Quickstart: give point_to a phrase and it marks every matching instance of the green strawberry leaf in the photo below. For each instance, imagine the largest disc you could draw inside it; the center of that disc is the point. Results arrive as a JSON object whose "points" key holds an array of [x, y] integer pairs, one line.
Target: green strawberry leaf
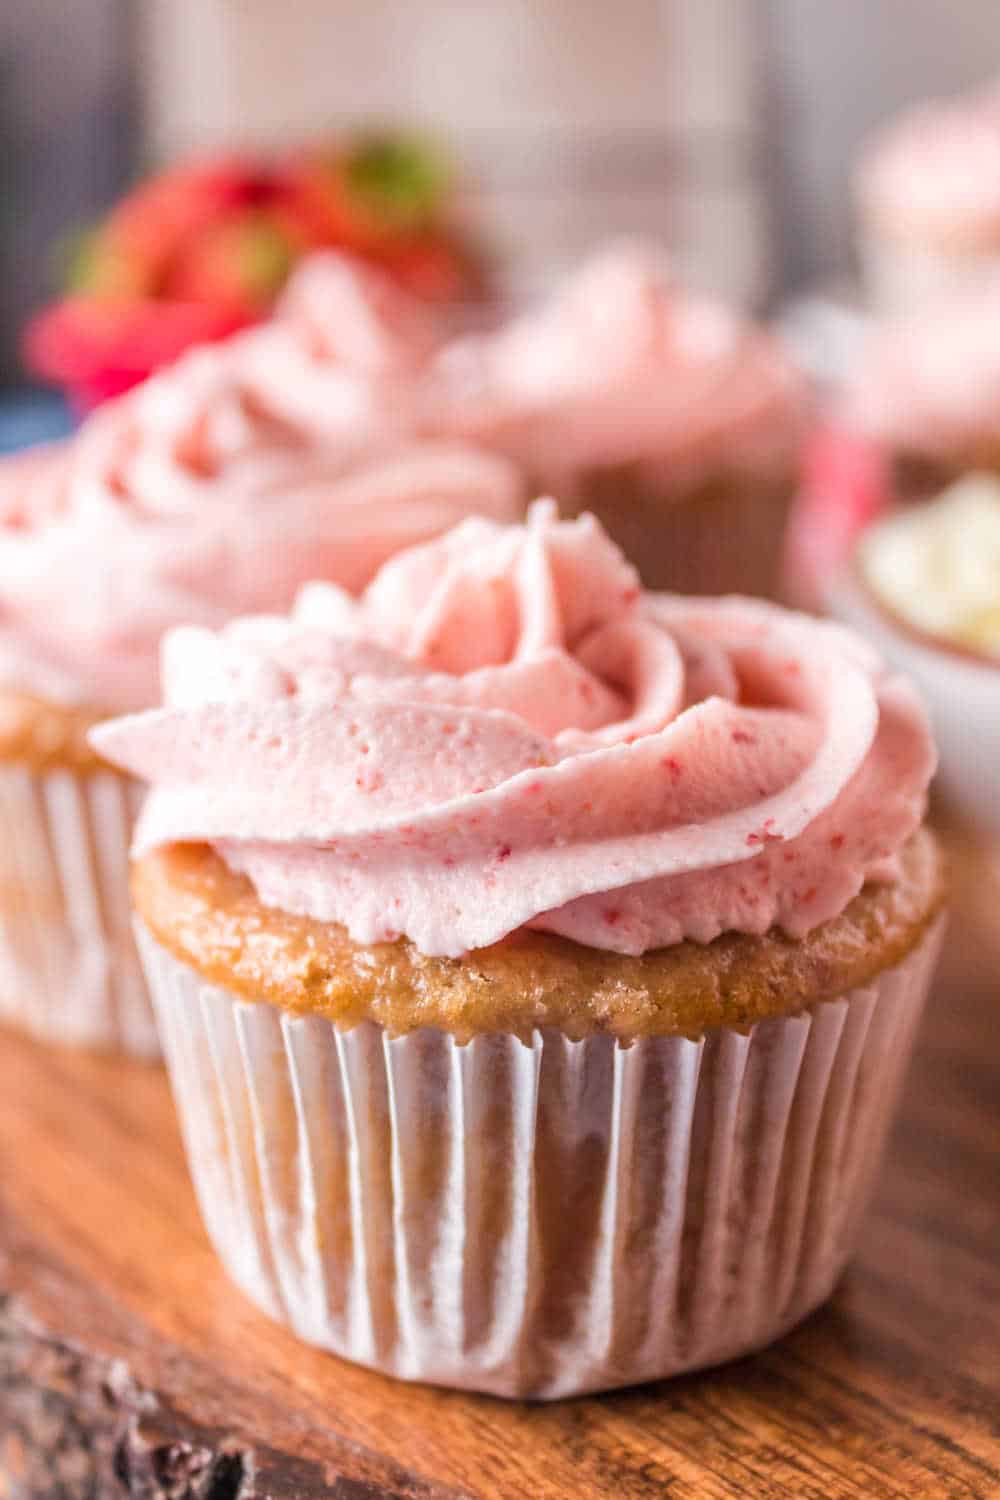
{"points": [[85, 262], [265, 256], [399, 179]]}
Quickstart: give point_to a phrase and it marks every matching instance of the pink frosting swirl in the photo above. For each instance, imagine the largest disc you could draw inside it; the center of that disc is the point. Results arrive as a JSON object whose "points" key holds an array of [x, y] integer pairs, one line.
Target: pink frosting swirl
{"points": [[622, 365], [505, 731], [930, 384], [222, 484]]}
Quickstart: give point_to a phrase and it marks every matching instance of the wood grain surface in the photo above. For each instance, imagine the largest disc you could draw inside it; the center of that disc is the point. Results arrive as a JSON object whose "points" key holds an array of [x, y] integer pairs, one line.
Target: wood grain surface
{"points": [[130, 1366]]}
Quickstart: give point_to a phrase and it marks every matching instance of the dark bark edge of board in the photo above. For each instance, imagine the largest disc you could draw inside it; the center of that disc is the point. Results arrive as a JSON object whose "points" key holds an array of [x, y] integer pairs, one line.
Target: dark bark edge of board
{"points": [[74, 1423]]}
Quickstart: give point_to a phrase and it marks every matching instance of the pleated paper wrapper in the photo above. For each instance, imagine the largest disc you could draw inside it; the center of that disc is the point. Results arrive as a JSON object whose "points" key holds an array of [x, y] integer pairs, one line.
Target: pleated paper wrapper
{"points": [[534, 1220], [69, 969]]}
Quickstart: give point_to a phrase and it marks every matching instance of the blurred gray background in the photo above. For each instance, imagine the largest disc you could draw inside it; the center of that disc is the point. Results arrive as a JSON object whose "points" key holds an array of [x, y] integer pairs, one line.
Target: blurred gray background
{"points": [[727, 127], [68, 136]]}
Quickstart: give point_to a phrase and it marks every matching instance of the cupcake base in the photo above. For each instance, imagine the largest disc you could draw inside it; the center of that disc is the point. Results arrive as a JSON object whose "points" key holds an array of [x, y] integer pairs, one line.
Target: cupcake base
{"points": [[69, 970], [535, 1220], [723, 535]]}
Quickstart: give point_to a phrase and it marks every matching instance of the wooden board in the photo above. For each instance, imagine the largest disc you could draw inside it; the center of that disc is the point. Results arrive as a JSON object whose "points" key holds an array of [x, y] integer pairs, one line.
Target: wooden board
{"points": [[129, 1365]]}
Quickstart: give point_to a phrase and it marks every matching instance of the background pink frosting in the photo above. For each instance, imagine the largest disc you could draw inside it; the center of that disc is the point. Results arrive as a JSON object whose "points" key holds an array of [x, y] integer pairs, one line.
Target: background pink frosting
{"points": [[930, 382], [222, 484], [936, 171], [505, 731], [621, 364]]}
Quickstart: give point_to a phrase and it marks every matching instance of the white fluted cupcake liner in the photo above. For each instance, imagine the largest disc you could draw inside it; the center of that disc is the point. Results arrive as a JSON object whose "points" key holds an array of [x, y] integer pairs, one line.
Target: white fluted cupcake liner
{"points": [[536, 1220], [69, 969]]}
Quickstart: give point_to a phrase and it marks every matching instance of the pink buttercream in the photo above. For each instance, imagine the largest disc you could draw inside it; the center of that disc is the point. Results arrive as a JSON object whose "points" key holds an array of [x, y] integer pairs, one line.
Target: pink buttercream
{"points": [[222, 484], [931, 383], [622, 365], [505, 731], [935, 172]]}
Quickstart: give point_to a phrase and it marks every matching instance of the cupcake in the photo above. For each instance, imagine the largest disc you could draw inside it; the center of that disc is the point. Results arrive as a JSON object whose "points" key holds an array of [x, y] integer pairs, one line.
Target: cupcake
{"points": [[537, 959], [674, 420], [927, 389], [216, 488], [924, 584], [928, 200]]}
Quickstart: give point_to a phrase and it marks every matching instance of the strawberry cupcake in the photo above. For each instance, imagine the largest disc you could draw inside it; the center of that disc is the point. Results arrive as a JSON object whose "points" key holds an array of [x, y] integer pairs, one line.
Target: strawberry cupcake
{"points": [[928, 198], [673, 419], [217, 487], [537, 959]]}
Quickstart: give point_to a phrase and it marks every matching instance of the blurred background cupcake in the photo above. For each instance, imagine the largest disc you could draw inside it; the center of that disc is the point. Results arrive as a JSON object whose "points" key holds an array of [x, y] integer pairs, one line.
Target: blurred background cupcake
{"points": [[667, 414], [222, 483], [926, 388], [928, 201]]}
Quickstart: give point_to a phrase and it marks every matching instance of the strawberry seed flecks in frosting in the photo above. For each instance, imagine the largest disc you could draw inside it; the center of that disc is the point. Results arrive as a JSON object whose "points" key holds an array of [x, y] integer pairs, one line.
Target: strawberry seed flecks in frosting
{"points": [[622, 364], [504, 731], [222, 484]]}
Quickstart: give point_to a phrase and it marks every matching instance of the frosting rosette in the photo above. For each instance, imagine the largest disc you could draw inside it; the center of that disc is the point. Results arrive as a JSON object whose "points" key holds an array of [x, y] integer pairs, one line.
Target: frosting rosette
{"points": [[505, 731], [621, 364], [222, 484]]}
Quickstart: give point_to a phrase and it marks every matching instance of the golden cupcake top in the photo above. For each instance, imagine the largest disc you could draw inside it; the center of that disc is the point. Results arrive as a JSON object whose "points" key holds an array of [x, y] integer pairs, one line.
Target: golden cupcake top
{"points": [[212, 919], [46, 735]]}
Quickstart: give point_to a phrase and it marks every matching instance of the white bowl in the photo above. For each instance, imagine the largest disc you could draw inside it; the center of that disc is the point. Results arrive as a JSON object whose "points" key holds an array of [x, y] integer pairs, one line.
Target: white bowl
{"points": [[961, 689]]}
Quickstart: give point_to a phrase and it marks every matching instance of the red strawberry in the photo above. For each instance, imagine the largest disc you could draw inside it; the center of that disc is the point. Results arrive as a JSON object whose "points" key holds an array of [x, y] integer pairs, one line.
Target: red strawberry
{"points": [[318, 207], [433, 267], [154, 225], [205, 247], [242, 262], [99, 348], [97, 266]]}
